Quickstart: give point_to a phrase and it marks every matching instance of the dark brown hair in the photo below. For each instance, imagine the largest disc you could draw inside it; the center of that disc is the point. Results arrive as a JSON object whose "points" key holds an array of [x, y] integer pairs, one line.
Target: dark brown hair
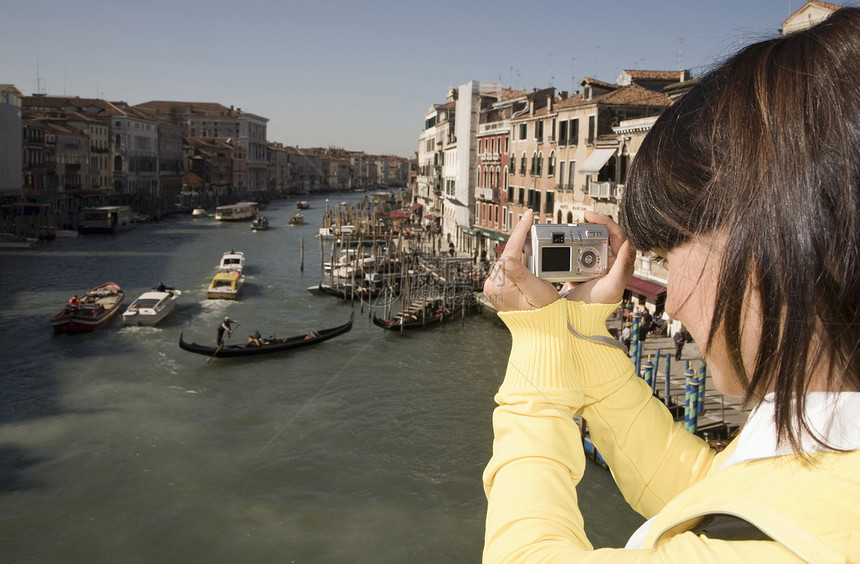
{"points": [[765, 149]]}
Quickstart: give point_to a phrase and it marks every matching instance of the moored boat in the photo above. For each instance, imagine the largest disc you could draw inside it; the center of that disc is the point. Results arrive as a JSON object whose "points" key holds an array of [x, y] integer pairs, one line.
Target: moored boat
{"points": [[151, 307], [260, 223], [303, 205], [420, 315], [232, 261], [91, 311], [297, 219], [199, 212], [267, 345], [226, 285]]}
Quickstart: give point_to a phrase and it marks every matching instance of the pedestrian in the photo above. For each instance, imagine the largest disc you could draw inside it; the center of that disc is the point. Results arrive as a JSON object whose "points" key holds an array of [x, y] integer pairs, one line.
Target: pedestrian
{"points": [[680, 338], [748, 187], [451, 250], [627, 336], [225, 326]]}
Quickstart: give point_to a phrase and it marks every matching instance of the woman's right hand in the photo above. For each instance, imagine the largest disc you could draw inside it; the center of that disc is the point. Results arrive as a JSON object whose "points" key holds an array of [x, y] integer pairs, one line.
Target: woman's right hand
{"points": [[510, 285]]}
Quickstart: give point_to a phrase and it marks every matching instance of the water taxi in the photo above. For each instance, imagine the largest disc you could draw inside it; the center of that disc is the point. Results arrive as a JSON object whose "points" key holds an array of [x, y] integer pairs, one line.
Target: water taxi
{"points": [[232, 261], [226, 285], [91, 311], [297, 219], [151, 307], [236, 212]]}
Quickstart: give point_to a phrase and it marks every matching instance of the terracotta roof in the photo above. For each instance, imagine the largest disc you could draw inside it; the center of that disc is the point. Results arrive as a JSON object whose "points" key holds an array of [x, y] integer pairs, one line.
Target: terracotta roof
{"points": [[193, 108], [656, 75], [631, 95]]}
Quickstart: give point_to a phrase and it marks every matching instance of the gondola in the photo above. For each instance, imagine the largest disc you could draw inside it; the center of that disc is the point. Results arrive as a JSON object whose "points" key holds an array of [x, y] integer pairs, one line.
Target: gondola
{"points": [[267, 346], [405, 321], [346, 291]]}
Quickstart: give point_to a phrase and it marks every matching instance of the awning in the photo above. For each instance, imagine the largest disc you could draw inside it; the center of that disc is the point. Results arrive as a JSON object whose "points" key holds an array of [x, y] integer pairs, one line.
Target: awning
{"points": [[430, 217], [495, 235], [500, 248], [596, 160], [398, 214], [645, 288], [414, 207]]}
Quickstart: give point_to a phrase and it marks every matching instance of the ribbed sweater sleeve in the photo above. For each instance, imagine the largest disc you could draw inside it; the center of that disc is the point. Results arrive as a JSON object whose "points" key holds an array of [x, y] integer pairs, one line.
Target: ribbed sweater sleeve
{"points": [[538, 459]]}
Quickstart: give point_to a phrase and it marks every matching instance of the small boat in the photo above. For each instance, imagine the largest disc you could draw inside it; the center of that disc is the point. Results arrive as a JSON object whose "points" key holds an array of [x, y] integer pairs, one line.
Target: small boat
{"points": [[91, 311], [260, 223], [297, 219], [267, 346], [232, 261], [303, 205], [419, 315], [151, 307], [226, 285], [199, 212], [345, 291]]}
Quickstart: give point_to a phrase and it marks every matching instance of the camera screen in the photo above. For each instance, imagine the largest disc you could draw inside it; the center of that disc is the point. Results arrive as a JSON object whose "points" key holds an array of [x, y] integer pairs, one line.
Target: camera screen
{"points": [[555, 259]]}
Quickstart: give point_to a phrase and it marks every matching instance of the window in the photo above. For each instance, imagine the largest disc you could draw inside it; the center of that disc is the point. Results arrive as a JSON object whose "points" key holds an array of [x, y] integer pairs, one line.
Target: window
{"points": [[591, 128], [549, 203], [573, 132], [562, 132], [561, 176], [534, 164], [571, 174], [513, 164], [522, 196], [550, 169], [523, 165], [505, 218], [539, 130], [539, 164], [524, 131]]}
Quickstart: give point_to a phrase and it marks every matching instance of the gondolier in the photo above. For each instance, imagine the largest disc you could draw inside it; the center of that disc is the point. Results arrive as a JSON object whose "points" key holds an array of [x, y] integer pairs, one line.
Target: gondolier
{"points": [[225, 325]]}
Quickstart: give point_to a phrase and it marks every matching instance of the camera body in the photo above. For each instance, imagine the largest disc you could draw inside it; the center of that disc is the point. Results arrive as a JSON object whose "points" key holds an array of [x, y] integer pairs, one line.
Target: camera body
{"points": [[567, 252]]}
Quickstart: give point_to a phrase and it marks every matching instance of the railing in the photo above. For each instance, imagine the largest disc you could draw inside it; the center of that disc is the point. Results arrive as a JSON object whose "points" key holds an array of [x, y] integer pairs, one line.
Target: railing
{"points": [[601, 190]]}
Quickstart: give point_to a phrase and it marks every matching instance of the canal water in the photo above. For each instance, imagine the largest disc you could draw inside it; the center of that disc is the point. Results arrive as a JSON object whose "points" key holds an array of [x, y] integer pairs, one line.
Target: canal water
{"points": [[118, 446]]}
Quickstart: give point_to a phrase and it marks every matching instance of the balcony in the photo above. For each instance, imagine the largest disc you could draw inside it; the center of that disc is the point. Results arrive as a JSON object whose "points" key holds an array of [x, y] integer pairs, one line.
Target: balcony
{"points": [[602, 190], [487, 194]]}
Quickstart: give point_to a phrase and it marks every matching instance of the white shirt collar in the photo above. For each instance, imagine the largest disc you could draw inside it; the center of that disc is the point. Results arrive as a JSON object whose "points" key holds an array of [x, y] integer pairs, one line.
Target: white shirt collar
{"points": [[831, 416]]}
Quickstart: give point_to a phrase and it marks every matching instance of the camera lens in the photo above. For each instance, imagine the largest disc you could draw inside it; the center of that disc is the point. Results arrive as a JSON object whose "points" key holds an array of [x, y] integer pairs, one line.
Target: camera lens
{"points": [[588, 259]]}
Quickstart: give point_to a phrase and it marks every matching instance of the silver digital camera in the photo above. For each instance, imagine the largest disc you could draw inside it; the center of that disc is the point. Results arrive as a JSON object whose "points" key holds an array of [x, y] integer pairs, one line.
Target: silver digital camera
{"points": [[567, 252]]}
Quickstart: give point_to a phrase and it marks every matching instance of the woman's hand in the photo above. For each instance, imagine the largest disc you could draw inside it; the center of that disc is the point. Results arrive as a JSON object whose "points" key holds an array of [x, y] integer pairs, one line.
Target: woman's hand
{"points": [[511, 286]]}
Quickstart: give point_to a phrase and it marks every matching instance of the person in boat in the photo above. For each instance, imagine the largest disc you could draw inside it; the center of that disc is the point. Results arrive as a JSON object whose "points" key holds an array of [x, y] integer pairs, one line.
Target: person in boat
{"points": [[226, 326], [254, 339], [743, 186], [162, 288], [74, 301]]}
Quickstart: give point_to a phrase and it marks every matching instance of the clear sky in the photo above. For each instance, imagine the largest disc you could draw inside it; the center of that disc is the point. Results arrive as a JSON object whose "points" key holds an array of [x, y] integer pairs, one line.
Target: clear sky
{"points": [[354, 74]]}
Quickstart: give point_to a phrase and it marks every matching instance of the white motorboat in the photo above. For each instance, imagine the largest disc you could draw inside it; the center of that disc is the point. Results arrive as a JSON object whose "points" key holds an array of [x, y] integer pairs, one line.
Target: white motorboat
{"points": [[151, 307], [199, 212], [232, 261]]}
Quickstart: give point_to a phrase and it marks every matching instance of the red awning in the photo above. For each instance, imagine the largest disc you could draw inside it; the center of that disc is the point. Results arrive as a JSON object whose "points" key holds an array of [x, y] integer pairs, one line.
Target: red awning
{"points": [[499, 249], [645, 288], [430, 217], [398, 214], [414, 207]]}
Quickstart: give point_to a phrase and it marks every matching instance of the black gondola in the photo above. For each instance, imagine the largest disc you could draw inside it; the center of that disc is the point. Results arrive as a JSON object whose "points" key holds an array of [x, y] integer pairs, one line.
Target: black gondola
{"points": [[267, 346], [417, 318], [347, 291]]}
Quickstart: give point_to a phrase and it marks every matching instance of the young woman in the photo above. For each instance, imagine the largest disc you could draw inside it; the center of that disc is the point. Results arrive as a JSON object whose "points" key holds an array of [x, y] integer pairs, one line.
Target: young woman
{"points": [[749, 187]]}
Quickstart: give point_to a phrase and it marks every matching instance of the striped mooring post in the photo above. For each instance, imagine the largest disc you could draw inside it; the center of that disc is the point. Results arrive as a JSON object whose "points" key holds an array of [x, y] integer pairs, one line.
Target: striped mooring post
{"points": [[691, 409], [649, 372], [702, 368], [666, 399], [654, 372]]}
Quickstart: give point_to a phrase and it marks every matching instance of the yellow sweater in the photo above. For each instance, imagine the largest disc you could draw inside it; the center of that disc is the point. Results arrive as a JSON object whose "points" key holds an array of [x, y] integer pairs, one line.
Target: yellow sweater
{"points": [[811, 511]]}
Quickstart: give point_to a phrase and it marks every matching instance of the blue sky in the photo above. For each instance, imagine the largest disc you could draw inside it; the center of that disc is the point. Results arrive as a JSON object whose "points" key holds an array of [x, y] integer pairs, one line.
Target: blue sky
{"points": [[352, 74]]}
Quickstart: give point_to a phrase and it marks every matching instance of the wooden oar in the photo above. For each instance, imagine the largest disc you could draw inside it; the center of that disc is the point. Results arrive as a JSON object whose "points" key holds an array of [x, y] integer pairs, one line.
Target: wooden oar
{"points": [[220, 345]]}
